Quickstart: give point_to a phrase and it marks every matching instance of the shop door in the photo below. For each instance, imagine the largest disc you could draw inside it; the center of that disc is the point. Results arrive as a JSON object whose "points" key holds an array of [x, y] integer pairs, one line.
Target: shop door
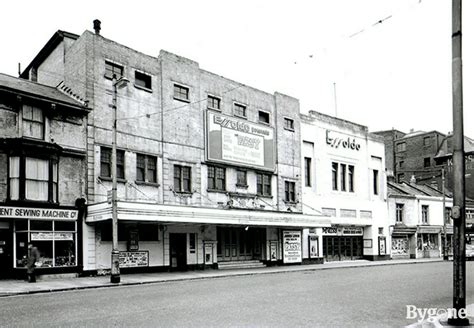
{"points": [[178, 251], [6, 260], [331, 248]]}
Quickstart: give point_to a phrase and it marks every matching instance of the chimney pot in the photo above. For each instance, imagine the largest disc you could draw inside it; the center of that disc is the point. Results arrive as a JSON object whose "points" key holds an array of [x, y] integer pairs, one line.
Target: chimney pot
{"points": [[97, 26]]}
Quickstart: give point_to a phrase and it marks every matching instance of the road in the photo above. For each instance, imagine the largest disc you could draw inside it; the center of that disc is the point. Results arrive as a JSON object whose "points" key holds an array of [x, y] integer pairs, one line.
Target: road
{"points": [[369, 296]]}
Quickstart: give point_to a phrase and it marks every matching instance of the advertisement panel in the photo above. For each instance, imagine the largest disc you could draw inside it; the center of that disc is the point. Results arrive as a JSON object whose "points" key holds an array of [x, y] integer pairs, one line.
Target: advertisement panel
{"points": [[292, 246], [237, 141]]}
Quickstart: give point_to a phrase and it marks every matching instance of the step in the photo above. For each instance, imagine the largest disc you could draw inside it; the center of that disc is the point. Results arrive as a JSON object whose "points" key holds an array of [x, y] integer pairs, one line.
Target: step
{"points": [[240, 265]]}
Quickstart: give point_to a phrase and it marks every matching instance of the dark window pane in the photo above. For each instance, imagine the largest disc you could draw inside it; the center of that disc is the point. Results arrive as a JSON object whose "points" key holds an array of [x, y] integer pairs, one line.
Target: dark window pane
{"points": [[64, 226], [41, 225]]}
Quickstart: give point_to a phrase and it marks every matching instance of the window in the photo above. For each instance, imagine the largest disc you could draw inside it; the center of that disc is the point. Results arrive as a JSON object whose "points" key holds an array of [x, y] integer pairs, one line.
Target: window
{"points": [[33, 122], [180, 92], [182, 178], [215, 178], [55, 241], [112, 69], [240, 110], [241, 178], [213, 102], [264, 187], [33, 179], [263, 117], [106, 163], [380, 230], [146, 168], [447, 215], [351, 178], [142, 80], [307, 171], [402, 146], [400, 177], [426, 162], [376, 181], [426, 141], [399, 213], [424, 214], [289, 124], [290, 191], [343, 177], [334, 175], [401, 164]]}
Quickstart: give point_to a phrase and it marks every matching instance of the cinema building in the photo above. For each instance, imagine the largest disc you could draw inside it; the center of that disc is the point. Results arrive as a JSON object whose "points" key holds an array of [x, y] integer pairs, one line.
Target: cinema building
{"points": [[343, 177], [42, 171], [208, 168]]}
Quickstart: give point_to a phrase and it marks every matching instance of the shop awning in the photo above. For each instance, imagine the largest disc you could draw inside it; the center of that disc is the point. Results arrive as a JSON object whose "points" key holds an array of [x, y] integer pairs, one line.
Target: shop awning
{"points": [[429, 229], [132, 211], [401, 229]]}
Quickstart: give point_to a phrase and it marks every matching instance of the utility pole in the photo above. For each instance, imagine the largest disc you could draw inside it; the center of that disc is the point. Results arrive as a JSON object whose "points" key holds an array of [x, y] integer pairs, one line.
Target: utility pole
{"points": [[459, 210], [445, 217]]}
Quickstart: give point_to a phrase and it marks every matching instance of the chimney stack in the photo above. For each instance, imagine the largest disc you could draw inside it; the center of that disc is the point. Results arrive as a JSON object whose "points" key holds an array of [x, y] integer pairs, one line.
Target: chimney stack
{"points": [[97, 26]]}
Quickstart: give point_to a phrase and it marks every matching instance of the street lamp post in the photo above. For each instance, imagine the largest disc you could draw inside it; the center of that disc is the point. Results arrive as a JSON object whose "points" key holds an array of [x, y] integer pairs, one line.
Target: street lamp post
{"points": [[115, 268]]}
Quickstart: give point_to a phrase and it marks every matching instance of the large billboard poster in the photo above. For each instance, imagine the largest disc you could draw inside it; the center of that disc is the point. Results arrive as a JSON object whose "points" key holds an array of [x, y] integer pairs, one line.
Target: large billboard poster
{"points": [[234, 140], [292, 246]]}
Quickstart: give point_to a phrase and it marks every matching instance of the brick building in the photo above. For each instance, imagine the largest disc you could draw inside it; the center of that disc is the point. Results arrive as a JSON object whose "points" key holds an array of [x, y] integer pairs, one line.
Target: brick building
{"points": [[208, 167], [42, 176], [344, 179]]}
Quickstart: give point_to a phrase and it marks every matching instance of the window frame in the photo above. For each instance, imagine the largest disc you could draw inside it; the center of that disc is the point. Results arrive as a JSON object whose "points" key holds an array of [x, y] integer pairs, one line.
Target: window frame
{"points": [[291, 126], [425, 214], [308, 170], [146, 76], [109, 73], [31, 122], [335, 176], [120, 163], [426, 160], [181, 178], [427, 141], [399, 209], [290, 191], [216, 178], [239, 106], [243, 184], [178, 92], [264, 187], [147, 168], [213, 99], [401, 147], [265, 113], [375, 179]]}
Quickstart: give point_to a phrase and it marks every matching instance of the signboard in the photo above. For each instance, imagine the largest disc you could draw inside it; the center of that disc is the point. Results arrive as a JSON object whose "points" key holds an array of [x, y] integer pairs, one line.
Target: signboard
{"points": [[208, 253], [343, 231], [292, 246], [234, 140], [273, 251], [37, 213], [52, 236], [336, 140], [313, 246], [382, 246], [133, 259]]}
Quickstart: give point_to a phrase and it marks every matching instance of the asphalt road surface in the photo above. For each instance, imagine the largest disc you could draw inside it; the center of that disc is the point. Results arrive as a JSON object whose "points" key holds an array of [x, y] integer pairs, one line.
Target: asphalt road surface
{"points": [[346, 297]]}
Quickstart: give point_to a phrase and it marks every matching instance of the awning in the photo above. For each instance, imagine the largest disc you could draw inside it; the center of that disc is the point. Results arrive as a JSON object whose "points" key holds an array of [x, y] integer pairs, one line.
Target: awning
{"points": [[403, 230], [430, 229], [133, 211]]}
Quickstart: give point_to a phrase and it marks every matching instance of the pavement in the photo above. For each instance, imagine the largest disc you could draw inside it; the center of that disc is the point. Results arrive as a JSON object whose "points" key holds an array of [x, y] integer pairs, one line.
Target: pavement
{"points": [[47, 285]]}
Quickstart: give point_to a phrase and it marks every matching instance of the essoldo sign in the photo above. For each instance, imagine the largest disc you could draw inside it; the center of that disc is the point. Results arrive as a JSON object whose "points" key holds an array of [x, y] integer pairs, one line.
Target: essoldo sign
{"points": [[237, 141]]}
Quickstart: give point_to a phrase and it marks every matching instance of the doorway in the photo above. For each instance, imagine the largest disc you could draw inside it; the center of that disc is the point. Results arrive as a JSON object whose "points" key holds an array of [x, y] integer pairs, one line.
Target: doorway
{"points": [[6, 260], [178, 251]]}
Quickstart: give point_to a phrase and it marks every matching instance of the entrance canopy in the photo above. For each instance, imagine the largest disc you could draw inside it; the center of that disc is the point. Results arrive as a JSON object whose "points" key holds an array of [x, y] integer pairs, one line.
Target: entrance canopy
{"points": [[133, 211]]}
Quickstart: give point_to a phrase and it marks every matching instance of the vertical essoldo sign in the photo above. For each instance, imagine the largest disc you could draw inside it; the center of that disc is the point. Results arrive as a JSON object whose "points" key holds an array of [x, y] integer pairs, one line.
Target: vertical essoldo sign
{"points": [[236, 141], [291, 246]]}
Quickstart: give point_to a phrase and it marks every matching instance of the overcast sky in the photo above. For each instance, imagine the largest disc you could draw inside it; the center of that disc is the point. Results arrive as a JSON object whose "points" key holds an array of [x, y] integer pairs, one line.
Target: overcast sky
{"points": [[386, 62]]}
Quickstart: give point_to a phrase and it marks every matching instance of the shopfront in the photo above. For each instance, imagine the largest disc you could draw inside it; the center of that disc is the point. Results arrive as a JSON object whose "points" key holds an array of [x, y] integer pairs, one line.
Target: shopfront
{"points": [[240, 243], [428, 242], [402, 242], [342, 243], [53, 231]]}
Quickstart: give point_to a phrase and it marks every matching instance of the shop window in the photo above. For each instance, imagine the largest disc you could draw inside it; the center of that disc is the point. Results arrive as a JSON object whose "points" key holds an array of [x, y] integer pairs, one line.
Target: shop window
{"points": [[112, 69], [399, 213], [106, 163], [264, 187], [263, 117], [427, 241], [215, 178], [213, 103], [180, 92], [146, 168], [33, 179], [33, 122], [182, 178], [240, 110], [290, 192], [55, 240], [142, 80], [289, 124], [241, 178], [424, 214]]}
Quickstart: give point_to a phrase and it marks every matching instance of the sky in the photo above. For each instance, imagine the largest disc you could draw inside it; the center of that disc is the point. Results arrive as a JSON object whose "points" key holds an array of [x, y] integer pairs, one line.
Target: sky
{"points": [[380, 63]]}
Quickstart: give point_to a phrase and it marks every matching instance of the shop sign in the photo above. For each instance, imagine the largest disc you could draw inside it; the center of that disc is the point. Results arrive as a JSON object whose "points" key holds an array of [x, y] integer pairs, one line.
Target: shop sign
{"points": [[292, 247], [313, 246], [340, 141], [37, 213], [232, 140], [341, 231], [52, 236], [133, 259]]}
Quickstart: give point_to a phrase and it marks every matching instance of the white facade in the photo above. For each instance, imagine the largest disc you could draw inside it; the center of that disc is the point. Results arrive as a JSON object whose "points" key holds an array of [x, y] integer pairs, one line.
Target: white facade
{"points": [[344, 159]]}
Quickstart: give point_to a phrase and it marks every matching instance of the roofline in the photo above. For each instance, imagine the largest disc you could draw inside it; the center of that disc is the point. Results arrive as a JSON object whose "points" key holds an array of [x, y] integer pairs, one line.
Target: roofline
{"points": [[52, 43], [407, 135]]}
